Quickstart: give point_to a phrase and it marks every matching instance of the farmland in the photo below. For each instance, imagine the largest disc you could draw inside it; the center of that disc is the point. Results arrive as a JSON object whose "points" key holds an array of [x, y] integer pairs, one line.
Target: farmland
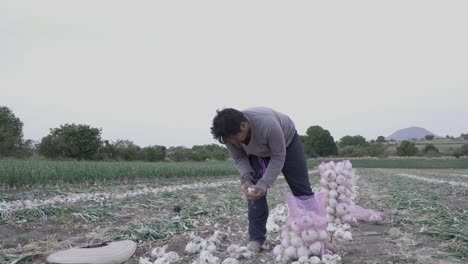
{"points": [[426, 219]]}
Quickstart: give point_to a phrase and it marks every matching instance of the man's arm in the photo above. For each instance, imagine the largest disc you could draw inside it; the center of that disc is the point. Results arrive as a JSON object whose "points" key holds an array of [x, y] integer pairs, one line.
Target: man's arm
{"points": [[275, 140], [242, 162]]}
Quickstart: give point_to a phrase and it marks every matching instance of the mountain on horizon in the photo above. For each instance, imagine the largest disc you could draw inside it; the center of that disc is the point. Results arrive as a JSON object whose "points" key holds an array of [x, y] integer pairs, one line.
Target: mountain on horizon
{"points": [[410, 133]]}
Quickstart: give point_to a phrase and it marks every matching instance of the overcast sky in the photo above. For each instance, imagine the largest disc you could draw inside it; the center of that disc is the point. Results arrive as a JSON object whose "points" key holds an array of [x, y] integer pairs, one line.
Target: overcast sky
{"points": [[155, 72]]}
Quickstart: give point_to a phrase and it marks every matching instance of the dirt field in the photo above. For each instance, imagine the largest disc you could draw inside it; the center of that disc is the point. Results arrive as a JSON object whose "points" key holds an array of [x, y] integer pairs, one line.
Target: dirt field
{"points": [[426, 219]]}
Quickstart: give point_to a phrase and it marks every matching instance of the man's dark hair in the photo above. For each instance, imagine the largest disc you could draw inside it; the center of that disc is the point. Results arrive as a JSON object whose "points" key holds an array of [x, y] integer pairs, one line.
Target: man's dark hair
{"points": [[227, 123]]}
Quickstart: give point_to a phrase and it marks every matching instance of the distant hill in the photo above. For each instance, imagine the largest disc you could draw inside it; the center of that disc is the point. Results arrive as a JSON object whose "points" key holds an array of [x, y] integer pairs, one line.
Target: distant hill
{"points": [[411, 133]]}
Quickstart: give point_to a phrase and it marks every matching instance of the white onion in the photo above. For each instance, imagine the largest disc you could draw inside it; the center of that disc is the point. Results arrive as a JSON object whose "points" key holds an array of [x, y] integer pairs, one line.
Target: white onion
{"points": [[347, 236], [348, 193], [294, 226], [309, 235], [348, 165], [338, 170], [340, 180], [342, 198], [302, 251], [322, 234], [333, 185], [320, 221], [285, 243], [332, 202], [306, 221], [315, 248], [278, 250], [338, 221], [315, 260], [291, 252], [330, 218], [323, 182], [348, 219], [341, 190], [296, 241], [341, 209], [330, 175], [330, 210], [339, 234], [332, 194]]}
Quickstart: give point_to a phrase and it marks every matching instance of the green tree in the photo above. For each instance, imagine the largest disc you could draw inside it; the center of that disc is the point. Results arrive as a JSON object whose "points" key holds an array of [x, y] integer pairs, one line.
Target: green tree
{"points": [[179, 153], [407, 148], [154, 153], [352, 151], [353, 141], [11, 132], [375, 150], [380, 139], [319, 142], [464, 149], [72, 141], [211, 151], [429, 147], [429, 137], [52, 147], [127, 150]]}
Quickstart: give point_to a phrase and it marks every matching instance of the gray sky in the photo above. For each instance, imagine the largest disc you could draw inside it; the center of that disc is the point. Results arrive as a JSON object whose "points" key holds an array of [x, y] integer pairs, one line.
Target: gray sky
{"points": [[156, 72]]}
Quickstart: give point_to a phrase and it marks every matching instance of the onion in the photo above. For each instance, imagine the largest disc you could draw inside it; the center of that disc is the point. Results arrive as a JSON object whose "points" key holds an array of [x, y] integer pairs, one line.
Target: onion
{"points": [[322, 234], [306, 221], [330, 175], [309, 235], [278, 250], [330, 218], [285, 243], [320, 221], [340, 179], [330, 210], [347, 236], [333, 194], [332, 202], [341, 190], [296, 241], [291, 252], [348, 165], [348, 193], [294, 227], [338, 221], [333, 185], [323, 182], [302, 251], [342, 199], [339, 234], [348, 219], [342, 209], [315, 248], [338, 170], [315, 260]]}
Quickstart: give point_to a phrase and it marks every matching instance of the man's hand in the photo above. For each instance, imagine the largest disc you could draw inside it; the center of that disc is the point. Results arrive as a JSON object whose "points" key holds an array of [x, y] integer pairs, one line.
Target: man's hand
{"points": [[246, 186], [256, 194]]}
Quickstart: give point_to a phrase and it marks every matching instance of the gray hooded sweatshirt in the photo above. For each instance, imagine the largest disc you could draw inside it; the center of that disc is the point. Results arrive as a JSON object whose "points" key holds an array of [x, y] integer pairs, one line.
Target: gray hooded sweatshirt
{"points": [[271, 133]]}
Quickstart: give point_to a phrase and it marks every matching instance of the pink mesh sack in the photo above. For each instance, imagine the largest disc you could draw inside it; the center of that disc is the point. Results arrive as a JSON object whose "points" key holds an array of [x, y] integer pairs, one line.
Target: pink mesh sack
{"points": [[367, 215], [307, 212]]}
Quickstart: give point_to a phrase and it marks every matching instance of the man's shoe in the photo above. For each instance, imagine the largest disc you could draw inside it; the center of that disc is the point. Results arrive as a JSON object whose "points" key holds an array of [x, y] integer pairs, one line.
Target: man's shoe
{"points": [[254, 246]]}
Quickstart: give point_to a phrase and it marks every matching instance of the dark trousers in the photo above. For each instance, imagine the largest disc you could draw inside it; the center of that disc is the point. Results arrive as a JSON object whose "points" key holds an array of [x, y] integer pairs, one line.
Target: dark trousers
{"points": [[296, 174]]}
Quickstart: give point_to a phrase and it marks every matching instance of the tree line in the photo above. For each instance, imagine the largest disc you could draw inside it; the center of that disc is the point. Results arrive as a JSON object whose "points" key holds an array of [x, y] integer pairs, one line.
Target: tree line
{"points": [[83, 142]]}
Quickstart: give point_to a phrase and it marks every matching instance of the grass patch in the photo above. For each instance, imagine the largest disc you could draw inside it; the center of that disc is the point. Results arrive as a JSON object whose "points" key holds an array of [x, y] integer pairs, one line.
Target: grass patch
{"points": [[30, 173], [428, 215]]}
